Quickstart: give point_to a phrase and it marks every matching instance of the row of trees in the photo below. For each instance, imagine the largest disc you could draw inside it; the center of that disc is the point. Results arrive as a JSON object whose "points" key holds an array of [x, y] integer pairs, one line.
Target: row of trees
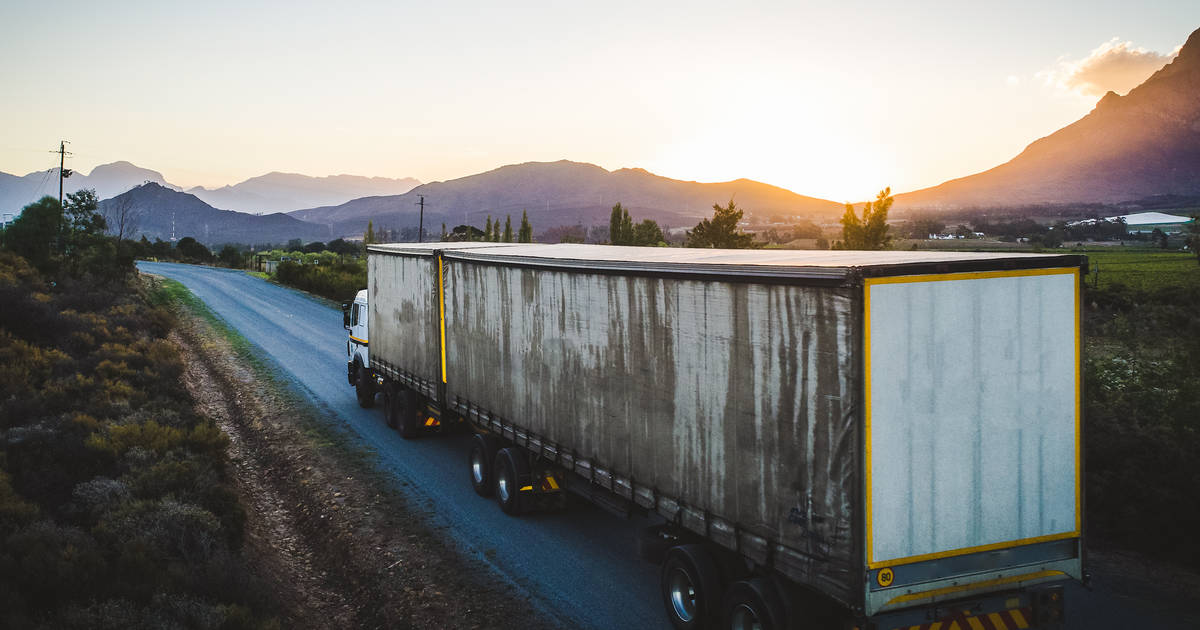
{"points": [[622, 230]]}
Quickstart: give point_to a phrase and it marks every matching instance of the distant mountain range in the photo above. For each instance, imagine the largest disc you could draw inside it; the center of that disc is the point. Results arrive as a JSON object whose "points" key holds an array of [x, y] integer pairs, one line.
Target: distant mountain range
{"points": [[1144, 144], [108, 180], [273, 192], [155, 211], [564, 193], [281, 192]]}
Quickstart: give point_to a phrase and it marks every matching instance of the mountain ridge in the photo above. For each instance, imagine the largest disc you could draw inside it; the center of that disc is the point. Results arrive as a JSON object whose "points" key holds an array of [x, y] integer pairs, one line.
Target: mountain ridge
{"points": [[1143, 144], [565, 193], [156, 211]]}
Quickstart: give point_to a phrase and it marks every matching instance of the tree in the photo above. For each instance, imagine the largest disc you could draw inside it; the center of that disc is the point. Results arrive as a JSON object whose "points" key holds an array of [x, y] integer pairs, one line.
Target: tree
{"points": [[508, 233], [314, 247], [648, 234], [495, 235], [620, 226], [923, 228], [525, 234], [34, 234], [721, 231], [122, 216], [342, 247], [1193, 238], [444, 234], [191, 249], [1159, 238], [871, 232], [82, 221], [230, 257], [487, 228], [369, 235]]}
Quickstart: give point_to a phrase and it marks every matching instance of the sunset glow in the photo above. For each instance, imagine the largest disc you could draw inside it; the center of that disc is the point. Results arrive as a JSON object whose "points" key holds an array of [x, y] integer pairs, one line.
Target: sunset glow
{"points": [[832, 103]]}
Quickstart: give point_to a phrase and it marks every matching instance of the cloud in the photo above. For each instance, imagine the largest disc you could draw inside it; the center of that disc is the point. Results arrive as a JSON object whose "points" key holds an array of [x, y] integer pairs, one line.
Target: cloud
{"points": [[1114, 65]]}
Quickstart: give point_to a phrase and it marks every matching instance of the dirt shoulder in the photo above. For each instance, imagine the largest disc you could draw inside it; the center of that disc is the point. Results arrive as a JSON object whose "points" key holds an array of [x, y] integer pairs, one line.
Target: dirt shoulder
{"points": [[324, 529]]}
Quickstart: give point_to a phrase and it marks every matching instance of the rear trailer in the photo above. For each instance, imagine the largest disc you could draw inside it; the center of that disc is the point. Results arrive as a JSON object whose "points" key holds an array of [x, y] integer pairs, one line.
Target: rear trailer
{"points": [[881, 439]]}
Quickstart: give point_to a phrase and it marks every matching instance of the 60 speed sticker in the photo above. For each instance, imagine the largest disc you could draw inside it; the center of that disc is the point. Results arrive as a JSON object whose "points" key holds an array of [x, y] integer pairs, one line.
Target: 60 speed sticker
{"points": [[885, 577]]}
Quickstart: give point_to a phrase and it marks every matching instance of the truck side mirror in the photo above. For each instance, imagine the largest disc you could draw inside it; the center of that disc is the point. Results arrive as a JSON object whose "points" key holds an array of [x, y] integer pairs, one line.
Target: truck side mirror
{"points": [[346, 314]]}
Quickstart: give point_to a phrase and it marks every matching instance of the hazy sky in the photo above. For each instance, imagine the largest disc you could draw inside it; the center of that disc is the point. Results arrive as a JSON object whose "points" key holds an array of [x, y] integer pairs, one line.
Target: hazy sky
{"points": [[831, 102]]}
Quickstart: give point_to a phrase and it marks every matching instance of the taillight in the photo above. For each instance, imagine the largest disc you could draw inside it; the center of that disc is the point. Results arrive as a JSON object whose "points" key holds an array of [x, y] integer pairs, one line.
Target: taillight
{"points": [[1048, 607]]}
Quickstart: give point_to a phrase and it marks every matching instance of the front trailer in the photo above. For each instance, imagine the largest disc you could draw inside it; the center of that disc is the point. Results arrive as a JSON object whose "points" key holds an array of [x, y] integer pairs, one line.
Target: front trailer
{"points": [[830, 439]]}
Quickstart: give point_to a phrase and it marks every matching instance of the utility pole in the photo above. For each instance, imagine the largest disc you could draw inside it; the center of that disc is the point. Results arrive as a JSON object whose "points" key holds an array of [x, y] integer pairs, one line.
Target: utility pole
{"points": [[62, 172], [421, 225]]}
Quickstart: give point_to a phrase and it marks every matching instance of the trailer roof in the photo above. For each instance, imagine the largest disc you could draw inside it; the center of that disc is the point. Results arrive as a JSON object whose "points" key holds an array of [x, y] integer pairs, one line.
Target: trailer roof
{"points": [[427, 249], [836, 266]]}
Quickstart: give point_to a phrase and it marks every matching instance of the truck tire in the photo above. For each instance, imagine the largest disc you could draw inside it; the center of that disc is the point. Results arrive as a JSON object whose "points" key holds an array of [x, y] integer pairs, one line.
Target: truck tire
{"points": [[408, 404], [480, 462], [691, 587], [364, 389], [391, 404], [752, 603], [512, 474]]}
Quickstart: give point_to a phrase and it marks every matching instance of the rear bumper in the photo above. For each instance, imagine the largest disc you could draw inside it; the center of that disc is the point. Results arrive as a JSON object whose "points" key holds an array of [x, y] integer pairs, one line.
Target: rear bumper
{"points": [[1009, 610]]}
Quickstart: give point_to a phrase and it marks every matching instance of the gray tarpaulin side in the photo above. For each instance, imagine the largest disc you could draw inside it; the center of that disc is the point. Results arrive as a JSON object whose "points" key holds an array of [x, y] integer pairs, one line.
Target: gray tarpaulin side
{"points": [[735, 397], [403, 325]]}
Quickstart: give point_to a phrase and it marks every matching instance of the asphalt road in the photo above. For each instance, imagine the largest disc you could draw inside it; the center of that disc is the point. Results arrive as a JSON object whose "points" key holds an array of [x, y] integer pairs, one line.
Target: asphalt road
{"points": [[578, 565]]}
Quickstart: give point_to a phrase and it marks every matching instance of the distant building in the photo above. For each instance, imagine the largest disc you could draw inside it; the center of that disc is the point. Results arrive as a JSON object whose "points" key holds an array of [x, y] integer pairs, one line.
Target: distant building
{"points": [[1147, 222]]}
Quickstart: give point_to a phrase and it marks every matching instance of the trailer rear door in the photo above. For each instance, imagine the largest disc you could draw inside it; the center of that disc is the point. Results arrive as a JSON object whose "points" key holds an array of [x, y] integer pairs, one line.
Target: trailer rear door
{"points": [[972, 413]]}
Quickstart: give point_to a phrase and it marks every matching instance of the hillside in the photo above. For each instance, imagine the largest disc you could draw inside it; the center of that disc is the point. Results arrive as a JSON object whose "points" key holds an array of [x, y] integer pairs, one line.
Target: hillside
{"points": [[154, 208], [282, 192], [564, 193], [1139, 145]]}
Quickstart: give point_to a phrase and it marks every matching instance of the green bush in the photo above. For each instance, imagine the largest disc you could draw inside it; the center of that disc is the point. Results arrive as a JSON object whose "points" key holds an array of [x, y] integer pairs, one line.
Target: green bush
{"points": [[337, 282], [116, 508], [1142, 417]]}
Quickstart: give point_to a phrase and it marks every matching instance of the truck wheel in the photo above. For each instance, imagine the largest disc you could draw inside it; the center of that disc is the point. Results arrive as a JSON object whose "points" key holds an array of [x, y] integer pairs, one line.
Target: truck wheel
{"points": [[481, 460], [691, 587], [391, 404], [512, 473], [408, 403], [752, 604], [364, 388]]}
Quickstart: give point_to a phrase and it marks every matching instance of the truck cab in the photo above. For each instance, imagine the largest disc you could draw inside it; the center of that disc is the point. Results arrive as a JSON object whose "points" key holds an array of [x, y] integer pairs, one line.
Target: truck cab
{"points": [[358, 363]]}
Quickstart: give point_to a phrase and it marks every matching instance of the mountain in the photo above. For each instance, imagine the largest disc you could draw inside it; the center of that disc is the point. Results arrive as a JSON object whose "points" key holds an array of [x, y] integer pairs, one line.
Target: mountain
{"points": [[564, 193], [109, 180], [281, 192], [155, 211], [273, 192], [1143, 144]]}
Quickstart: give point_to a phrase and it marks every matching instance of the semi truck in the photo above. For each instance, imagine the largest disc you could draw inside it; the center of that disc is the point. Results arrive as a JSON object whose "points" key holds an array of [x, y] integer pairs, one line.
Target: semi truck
{"points": [[826, 439]]}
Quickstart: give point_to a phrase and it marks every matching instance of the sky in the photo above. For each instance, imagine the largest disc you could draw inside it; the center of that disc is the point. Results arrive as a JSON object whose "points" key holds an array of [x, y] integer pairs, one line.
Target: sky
{"points": [[832, 102]]}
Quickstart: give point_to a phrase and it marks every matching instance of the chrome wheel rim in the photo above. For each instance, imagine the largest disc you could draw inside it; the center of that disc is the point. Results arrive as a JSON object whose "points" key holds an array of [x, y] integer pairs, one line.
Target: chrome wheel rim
{"points": [[477, 467], [683, 595], [744, 618], [502, 486]]}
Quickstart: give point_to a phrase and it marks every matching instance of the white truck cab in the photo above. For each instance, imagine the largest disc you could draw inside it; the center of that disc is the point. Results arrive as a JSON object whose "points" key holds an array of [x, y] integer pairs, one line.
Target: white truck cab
{"points": [[358, 363]]}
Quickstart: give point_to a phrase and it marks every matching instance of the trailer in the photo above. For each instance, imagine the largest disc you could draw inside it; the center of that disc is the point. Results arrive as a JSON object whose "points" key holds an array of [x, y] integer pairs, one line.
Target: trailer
{"points": [[829, 438]]}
